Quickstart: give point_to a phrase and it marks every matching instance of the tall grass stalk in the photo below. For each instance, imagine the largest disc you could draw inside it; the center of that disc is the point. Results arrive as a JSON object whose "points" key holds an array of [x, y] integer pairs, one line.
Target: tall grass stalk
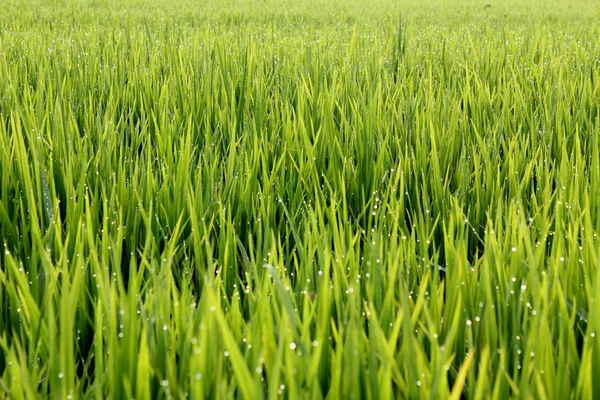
{"points": [[342, 199]]}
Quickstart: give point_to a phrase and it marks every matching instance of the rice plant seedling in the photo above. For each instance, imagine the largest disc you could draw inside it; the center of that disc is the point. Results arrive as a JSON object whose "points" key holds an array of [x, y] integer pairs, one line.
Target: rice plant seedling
{"points": [[299, 199]]}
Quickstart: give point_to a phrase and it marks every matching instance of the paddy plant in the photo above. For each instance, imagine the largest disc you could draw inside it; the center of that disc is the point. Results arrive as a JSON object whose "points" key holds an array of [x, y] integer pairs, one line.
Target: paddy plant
{"points": [[272, 199]]}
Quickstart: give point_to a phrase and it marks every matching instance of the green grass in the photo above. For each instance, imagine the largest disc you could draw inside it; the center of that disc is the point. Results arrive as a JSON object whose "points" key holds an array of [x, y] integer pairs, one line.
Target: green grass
{"points": [[337, 199]]}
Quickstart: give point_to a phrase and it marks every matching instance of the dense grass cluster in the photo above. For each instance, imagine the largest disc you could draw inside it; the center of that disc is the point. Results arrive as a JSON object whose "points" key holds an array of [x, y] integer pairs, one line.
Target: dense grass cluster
{"points": [[336, 198]]}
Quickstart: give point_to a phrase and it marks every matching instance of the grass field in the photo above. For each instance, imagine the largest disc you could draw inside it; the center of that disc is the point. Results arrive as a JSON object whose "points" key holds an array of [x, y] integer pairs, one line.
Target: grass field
{"points": [[264, 199]]}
